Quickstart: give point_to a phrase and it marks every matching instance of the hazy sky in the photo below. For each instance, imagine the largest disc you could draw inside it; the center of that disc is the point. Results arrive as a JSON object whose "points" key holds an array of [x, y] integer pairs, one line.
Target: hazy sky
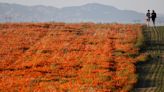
{"points": [[137, 5]]}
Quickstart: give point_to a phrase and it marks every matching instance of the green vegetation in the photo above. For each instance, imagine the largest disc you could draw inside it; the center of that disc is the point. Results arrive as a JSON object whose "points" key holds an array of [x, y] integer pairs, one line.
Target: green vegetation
{"points": [[140, 40], [151, 73]]}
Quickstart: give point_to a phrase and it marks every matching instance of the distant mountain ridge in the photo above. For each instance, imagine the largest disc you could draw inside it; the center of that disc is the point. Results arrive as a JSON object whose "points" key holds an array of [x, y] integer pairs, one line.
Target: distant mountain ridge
{"points": [[92, 12]]}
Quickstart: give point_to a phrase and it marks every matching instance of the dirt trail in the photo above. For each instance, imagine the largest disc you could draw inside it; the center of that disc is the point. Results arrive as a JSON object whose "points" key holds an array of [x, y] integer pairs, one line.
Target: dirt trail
{"points": [[151, 73]]}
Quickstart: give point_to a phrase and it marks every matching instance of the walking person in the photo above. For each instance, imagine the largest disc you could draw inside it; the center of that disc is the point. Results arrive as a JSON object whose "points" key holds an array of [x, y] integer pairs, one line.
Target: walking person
{"points": [[148, 16], [153, 17]]}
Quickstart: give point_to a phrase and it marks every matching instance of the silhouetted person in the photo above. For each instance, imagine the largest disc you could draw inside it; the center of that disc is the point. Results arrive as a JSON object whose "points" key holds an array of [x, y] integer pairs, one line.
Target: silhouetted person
{"points": [[148, 16], [153, 17]]}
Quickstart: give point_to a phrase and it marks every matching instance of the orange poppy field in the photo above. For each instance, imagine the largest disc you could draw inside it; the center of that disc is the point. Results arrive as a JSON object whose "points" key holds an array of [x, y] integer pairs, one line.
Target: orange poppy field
{"points": [[59, 57]]}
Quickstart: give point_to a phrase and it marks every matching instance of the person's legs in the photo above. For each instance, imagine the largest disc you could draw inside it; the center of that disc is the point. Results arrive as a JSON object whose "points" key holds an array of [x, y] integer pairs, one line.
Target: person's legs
{"points": [[153, 19], [148, 22]]}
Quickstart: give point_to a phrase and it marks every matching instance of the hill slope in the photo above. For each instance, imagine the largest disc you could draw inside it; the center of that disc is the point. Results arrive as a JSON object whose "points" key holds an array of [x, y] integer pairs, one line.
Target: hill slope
{"points": [[60, 57], [90, 12], [151, 72]]}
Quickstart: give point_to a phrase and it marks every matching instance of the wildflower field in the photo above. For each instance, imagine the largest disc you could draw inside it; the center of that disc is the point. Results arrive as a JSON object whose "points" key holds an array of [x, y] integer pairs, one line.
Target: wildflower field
{"points": [[59, 57]]}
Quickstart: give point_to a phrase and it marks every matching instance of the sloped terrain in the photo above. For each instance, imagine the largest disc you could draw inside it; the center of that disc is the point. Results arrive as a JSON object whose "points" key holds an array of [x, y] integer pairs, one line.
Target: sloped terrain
{"points": [[58, 57], [151, 73]]}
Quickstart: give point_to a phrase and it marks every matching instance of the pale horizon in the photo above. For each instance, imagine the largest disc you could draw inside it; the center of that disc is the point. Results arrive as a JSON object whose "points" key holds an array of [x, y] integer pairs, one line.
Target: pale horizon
{"points": [[136, 5]]}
